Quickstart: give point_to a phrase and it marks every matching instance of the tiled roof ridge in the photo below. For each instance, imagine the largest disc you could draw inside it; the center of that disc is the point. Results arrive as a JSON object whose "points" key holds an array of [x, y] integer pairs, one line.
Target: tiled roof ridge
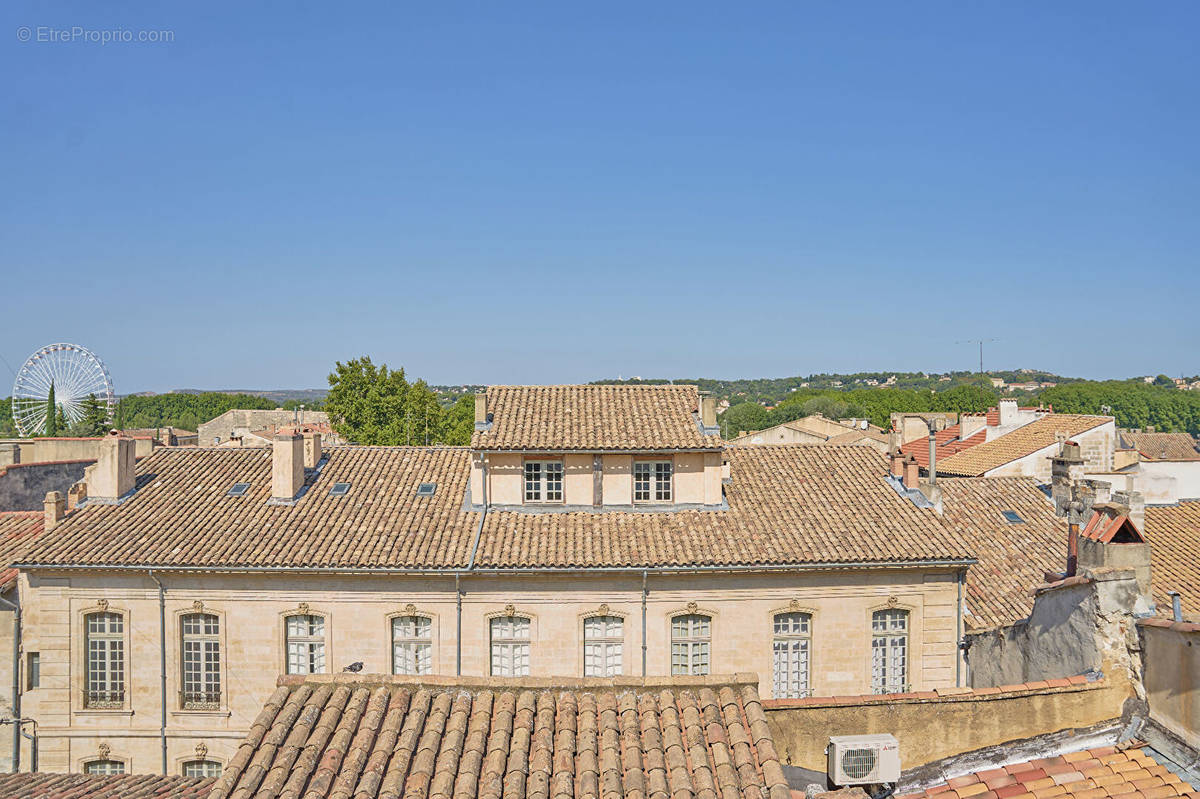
{"points": [[6, 467], [29, 513], [1168, 624], [1063, 685]]}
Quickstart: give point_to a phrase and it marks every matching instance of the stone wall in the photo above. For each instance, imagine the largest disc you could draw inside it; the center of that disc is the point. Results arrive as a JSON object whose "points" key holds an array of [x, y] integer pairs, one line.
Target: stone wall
{"points": [[1077, 625], [220, 429], [23, 486], [966, 720], [1172, 676]]}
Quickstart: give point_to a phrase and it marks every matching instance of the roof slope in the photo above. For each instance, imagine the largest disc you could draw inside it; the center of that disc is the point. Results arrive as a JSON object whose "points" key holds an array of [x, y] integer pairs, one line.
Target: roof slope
{"points": [[374, 735], [1025, 440], [555, 418], [1174, 535], [1012, 557], [787, 504], [17, 530], [93, 786], [181, 513], [1088, 774], [948, 443], [1163, 446]]}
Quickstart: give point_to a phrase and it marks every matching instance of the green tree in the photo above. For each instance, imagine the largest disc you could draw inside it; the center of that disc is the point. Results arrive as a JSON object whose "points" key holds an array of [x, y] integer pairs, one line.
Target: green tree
{"points": [[369, 404], [94, 421], [745, 416], [51, 413], [459, 422], [1163, 380]]}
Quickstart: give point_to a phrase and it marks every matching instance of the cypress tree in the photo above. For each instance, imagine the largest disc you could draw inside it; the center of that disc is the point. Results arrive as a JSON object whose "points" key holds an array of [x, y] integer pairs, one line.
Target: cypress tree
{"points": [[51, 413]]}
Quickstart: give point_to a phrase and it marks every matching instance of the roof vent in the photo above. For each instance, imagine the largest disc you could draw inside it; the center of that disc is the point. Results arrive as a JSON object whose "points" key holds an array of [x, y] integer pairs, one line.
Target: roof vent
{"points": [[238, 490], [426, 489], [339, 490], [1012, 517]]}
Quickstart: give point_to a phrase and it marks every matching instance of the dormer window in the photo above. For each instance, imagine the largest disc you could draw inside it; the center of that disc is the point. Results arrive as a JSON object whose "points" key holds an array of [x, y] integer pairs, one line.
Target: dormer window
{"points": [[652, 481], [543, 481]]}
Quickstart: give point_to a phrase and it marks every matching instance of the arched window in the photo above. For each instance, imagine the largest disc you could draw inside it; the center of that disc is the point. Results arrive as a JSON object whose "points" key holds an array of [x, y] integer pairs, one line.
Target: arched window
{"points": [[305, 644], [791, 647], [412, 645], [201, 661], [104, 766], [105, 633], [201, 768], [510, 646], [889, 651], [603, 641], [691, 636]]}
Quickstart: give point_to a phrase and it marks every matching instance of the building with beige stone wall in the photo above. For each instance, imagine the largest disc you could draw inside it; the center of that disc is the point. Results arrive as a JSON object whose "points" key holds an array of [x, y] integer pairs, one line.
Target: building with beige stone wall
{"points": [[587, 531]]}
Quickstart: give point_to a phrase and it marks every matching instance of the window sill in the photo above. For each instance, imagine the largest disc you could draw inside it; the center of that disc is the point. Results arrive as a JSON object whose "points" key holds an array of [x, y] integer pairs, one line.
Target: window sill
{"points": [[102, 711], [202, 713]]}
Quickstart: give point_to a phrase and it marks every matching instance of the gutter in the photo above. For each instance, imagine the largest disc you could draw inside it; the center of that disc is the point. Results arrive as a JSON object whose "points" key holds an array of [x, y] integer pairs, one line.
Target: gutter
{"points": [[15, 607], [958, 640], [162, 660], [645, 595]]}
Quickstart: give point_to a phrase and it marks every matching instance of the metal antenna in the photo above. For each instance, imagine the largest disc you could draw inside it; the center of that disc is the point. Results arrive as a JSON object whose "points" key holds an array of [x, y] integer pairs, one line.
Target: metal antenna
{"points": [[980, 342]]}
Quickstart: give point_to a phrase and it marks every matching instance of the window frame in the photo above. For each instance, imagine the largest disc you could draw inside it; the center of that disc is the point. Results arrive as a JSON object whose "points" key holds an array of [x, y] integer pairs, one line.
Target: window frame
{"points": [[788, 637], [887, 684], [205, 640], [654, 481], [94, 702], [33, 670], [691, 642], [183, 766], [109, 761], [543, 481], [605, 642], [511, 643], [310, 639], [415, 641]]}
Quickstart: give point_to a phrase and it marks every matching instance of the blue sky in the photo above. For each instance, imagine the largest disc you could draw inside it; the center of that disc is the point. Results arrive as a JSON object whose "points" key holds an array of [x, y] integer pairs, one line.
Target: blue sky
{"points": [[508, 192]]}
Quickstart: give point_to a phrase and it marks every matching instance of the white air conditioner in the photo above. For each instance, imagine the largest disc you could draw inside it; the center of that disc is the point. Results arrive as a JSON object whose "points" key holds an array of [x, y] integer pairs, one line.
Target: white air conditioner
{"points": [[863, 759]]}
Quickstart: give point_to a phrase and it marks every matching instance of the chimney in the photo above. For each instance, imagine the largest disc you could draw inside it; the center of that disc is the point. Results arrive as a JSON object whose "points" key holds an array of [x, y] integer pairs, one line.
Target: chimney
{"points": [[1008, 412], [76, 494], [287, 467], [10, 453], [708, 412], [55, 509], [912, 473], [481, 414], [112, 475], [1066, 470], [312, 450], [1136, 504], [896, 460], [971, 423], [167, 436]]}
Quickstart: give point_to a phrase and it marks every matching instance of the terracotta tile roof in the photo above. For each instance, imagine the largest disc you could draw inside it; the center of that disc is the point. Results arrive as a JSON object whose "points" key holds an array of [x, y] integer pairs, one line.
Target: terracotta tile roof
{"points": [[17, 530], [1174, 535], [91, 786], [1012, 557], [1088, 774], [1025, 440], [853, 436], [948, 443], [376, 735], [641, 418], [1162, 446], [787, 504]]}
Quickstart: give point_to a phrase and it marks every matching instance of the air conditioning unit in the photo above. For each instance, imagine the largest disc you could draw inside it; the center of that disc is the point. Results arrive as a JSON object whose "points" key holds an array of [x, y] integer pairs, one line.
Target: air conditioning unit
{"points": [[863, 759]]}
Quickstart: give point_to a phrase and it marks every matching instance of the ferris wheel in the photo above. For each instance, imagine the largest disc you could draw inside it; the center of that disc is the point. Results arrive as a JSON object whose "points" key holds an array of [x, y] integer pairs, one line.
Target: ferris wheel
{"points": [[74, 372]]}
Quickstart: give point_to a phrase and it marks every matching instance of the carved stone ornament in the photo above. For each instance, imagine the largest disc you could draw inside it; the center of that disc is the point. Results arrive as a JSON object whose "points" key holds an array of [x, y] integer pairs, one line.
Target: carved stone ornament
{"points": [[103, 750], [197, 606], [410, 608], [201, 750], [510, 610], [794, 604], [603, 609], [304, 608], [692, 607], [102, 604], [892, 602]]}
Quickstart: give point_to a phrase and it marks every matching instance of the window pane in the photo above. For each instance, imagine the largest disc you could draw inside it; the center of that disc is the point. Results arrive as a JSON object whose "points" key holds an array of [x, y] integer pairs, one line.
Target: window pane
{"points": [[533, 480], [662, 481], [105, 646], [554, 482], [201, 768], [641, 482], [889, 651], [305, 644], [104, 767]]}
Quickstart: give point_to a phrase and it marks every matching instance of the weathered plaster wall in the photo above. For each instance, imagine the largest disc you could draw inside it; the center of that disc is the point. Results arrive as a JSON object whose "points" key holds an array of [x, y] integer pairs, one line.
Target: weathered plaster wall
{"points": [[1172, 675], [1077, 625], [23, 486]]}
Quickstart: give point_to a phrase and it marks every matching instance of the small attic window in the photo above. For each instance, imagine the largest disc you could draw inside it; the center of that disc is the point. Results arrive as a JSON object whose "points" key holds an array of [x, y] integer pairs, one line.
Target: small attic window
{"points": [[1012, 517], [426, 489], [339, 490], [238, 490]]}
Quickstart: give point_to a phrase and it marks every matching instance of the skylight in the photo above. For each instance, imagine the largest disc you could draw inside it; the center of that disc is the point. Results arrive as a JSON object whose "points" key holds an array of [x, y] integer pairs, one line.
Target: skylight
{"points": [[238, 490], [1012, 517], [339, 490], [426, 489]]}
